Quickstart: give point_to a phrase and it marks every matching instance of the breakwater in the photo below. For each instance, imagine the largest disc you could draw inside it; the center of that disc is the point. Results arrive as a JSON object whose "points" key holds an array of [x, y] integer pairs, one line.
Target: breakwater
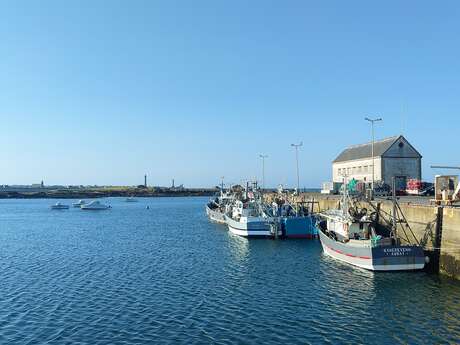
{"points": [[437, 228]]}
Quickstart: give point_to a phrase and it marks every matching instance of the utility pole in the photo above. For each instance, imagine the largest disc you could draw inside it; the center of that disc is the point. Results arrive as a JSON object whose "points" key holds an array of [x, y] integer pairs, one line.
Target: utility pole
{"points": [[263, 170], [296, 146], [372, 121]]}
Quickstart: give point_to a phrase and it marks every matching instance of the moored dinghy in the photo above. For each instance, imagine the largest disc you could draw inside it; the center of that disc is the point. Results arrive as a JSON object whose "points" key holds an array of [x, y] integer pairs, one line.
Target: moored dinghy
{"points": [[59, 206]]}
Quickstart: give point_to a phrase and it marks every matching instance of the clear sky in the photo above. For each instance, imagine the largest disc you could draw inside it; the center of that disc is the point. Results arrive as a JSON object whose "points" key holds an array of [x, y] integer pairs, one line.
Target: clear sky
{"points": [[101, 92]]}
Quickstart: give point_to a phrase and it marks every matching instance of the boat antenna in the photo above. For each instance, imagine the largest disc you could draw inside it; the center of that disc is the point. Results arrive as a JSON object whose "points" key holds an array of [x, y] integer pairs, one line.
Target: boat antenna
{"points": [[222, 185]]}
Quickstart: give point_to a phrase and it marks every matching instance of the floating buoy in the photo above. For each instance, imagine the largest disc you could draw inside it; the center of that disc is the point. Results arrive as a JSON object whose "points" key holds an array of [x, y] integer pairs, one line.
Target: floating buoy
{"points": [[147, 207]]}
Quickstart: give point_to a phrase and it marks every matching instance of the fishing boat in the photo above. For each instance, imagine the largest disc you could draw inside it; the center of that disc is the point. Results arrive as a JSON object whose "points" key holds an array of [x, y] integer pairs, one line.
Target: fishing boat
{"points": [[249, 217], [217, 206], [95, 205], [296, 221], [355, 236], [131, 199], [59, 206], [79, 203], [246, 220]]}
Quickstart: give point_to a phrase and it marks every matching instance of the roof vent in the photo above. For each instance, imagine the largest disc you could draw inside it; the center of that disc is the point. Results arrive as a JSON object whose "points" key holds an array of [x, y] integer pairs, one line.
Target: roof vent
{"points": [[401, 144]]}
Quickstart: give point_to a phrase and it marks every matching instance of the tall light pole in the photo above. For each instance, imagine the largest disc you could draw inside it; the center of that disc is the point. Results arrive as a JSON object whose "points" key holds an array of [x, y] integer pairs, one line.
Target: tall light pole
{"points": [[372, 121], [263, 170], [296, 146]]}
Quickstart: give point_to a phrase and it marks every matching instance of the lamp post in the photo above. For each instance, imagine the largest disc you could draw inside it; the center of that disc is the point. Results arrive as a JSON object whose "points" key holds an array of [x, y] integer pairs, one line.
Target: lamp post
{"points": [[296, 146], [372, 121], [263, 170]]}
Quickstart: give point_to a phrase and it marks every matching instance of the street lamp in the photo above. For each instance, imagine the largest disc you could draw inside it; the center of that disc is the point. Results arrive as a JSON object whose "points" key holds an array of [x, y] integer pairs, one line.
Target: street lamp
{"points": [[263, 170], [373, 164], [296, 146]]}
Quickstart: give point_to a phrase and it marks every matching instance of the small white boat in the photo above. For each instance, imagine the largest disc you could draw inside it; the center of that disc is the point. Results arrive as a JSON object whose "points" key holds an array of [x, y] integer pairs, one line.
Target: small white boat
{"points": [[95, 205], [79, 203], [59, 206], [131, 199]]}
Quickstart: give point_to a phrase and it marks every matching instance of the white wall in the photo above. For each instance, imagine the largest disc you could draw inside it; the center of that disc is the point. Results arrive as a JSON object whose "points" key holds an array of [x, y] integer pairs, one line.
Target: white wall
{"points": [[357, 170]]}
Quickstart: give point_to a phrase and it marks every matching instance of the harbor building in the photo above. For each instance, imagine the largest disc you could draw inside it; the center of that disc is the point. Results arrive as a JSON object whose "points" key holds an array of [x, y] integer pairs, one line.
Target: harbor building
{"points": [[393, 157]]}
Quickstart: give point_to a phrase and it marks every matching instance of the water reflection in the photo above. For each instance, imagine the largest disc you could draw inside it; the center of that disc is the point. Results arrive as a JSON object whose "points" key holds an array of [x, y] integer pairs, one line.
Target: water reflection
{"points": [[238, 247]]}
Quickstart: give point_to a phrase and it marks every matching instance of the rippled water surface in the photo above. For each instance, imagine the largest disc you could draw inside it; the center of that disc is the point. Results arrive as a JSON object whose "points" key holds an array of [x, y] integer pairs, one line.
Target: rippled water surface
{"points": [[133, 275]]}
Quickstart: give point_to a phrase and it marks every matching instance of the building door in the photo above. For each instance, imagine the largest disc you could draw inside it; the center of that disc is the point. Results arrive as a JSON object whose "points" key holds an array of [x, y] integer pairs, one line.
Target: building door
{"points": [[400, 183]]}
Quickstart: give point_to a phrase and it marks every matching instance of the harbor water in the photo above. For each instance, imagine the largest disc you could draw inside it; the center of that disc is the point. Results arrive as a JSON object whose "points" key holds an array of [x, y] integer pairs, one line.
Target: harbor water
{"points": [[166, 275]]}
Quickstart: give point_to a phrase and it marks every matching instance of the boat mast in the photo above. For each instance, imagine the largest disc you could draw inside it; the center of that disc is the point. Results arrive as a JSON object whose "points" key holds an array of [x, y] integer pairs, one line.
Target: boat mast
{"points": [[394, 220], [344, 200]]}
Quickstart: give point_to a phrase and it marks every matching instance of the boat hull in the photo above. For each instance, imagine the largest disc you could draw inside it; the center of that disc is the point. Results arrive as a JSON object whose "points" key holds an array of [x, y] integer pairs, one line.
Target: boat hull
{"points": [[99, 208], [215, 216], [299, 227], [94, 209], [385, 258], [252, 228]]}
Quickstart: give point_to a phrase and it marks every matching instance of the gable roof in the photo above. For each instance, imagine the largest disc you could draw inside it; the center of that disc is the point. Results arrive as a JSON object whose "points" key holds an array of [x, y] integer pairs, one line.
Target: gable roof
{"points": [[365, 150]]}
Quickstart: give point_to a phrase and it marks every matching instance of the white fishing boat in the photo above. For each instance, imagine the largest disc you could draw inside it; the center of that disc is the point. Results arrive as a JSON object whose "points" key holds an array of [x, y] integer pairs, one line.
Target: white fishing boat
{"points": [[79, 203], [217, 206], [354, 236], [249, 218], [95, 205], [131, 199], [245, 220], [59, 206]]}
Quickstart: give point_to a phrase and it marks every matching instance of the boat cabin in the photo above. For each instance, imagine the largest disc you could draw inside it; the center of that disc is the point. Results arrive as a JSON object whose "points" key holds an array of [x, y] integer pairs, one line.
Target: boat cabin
{"points": [[244, 209]]}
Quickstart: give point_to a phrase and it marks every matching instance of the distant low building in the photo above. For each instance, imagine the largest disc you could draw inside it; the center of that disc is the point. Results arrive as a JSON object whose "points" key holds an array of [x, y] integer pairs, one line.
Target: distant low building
{"points": [[393, 157]]}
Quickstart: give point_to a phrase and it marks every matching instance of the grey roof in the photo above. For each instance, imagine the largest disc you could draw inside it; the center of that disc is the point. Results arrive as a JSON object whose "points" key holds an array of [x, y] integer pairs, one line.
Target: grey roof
{"points": [[365, 150]]}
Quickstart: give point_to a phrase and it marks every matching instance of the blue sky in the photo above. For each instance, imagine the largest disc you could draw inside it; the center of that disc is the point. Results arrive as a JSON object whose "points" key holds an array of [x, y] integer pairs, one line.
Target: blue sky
{"points": [[101, 92]]}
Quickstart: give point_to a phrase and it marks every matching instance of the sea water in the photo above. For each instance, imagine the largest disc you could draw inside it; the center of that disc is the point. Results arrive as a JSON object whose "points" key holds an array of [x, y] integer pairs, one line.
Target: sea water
{"points": [[166, 275]]}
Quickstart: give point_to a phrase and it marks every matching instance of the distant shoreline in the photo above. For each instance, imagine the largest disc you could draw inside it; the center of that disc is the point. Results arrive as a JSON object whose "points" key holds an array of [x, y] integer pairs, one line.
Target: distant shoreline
{"points": [[100, 193], [104, 192]]}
